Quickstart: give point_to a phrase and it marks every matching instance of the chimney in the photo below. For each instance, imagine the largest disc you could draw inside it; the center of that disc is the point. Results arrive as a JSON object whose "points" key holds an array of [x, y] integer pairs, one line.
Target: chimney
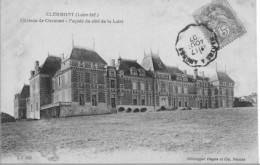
{"points": [[119, 61], [112, 63], [32, 73], [195, 73], [62, 55], [36, 64]]}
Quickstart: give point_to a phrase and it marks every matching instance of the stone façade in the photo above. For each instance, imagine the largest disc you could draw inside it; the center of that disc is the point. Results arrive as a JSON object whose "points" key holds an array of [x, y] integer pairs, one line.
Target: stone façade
{"points": [[84, 84]]}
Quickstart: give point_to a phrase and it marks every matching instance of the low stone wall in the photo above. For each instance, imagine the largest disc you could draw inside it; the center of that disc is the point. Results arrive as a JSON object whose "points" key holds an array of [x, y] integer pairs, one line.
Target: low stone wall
{"points": [[87, 109]]}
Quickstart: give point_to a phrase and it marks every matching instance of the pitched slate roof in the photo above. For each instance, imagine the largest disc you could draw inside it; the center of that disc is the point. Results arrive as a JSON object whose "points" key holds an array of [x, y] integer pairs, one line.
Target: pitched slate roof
{"points": [[25, 91], [126, 64], [221, 76], [82, 54], [51, 65], [174, 70], [154, 63]]}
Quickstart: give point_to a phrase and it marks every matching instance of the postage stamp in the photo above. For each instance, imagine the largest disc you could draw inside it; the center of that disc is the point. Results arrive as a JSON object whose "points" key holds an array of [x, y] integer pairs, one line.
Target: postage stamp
{"points": [[196, 48], [219, 16]]}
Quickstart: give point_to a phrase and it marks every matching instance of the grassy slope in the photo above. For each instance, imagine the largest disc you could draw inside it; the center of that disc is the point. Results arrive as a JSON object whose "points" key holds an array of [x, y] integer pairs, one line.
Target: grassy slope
{"points": [[196, 131]]}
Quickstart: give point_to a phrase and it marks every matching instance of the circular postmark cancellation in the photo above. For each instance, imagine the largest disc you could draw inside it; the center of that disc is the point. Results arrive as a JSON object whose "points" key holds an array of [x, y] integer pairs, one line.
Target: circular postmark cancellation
{"points": [[197, 45]]}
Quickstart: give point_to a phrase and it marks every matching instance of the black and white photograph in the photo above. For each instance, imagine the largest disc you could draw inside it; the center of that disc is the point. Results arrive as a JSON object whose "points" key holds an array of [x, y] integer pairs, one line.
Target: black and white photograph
{"points": [[129, 81]]}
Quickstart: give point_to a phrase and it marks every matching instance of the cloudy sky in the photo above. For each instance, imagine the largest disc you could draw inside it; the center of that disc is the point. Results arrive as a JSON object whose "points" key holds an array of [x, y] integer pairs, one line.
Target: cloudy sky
{"points": [[148, 25]]}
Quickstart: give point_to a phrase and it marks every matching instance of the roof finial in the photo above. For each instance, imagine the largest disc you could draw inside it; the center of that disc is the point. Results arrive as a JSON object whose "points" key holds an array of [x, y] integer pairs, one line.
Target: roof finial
{"points": [[151, 51], [72, 41], [93, 43], [216, 66], [225, 69]]}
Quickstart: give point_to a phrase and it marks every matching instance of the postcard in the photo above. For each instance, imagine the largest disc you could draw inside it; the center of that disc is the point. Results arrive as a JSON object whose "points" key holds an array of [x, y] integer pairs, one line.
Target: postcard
{"points": [[129, 81]]}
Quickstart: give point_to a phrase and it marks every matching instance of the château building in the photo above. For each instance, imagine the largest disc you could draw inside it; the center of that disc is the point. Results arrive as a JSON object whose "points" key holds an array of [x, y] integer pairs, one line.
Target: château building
{"points": [[84, 84]]}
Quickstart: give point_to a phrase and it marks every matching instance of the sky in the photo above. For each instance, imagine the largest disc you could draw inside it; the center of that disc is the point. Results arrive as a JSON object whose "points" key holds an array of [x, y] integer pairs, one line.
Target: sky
{"points": [[148, 25]]}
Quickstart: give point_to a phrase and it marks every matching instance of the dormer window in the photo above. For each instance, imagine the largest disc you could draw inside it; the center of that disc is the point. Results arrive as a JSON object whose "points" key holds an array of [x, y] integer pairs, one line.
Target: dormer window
{"points": [[112, 73], [133, 71], [121, 73], [141, 72], [94, 65]]}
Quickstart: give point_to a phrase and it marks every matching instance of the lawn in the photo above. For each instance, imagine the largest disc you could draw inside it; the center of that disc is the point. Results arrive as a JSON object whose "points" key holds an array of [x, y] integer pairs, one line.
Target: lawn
{"points": [[88, 138]]}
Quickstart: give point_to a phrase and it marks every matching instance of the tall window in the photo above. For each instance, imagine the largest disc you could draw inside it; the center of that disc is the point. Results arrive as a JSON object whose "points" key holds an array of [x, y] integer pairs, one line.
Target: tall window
{"points": [[112, 83], [94, 78], [150, 100], [162, 86], [81, 99], [174, 102], [149, 87], [185, 90], [94, 100], [59, 81], [143, 100], [179, 102], [31, 108], [134, 85], [179, 90], [186, 103], [81, 77], [113, 101], [135, 100], [142, 86], [121, 73]]}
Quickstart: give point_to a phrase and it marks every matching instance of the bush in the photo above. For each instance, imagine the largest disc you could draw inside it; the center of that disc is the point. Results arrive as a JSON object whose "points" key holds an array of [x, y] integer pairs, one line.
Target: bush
{"points": [[136, 110], [121, 109], [188, 108], [163, 108], [143, 109], [174, 108], [128, 110]]}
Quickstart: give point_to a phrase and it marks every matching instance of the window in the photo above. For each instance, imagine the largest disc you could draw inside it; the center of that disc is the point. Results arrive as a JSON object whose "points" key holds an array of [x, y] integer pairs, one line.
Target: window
{"points": [[186, 103], [185, 90], [162, 86], [112, 73], [94, 65], [206, 92], [150, 100], [143, 100], [135, 100], [81, 99], [134, 84], [141, 72], [121, 85], [174, 104], [94, 78], [112, 83], [113, 101], [179, 89], [179, 102], [31, 108], [94, 100], [149, 87], [133, 71], [81, 77], [121, 73], [59, 81], [142, 86]]}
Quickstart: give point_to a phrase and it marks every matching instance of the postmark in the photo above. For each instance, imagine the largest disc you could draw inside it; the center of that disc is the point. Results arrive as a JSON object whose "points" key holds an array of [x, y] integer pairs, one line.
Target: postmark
{"points": [[219, 16], [196, 48]]}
